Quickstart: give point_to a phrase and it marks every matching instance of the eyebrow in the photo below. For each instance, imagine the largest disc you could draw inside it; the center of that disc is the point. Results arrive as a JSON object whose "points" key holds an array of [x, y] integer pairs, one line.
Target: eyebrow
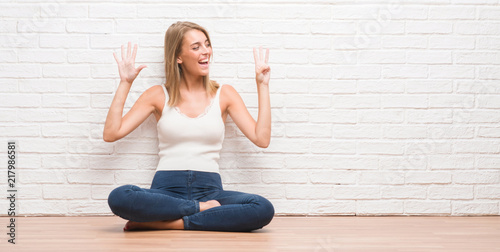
{"points": [[197, 42]]}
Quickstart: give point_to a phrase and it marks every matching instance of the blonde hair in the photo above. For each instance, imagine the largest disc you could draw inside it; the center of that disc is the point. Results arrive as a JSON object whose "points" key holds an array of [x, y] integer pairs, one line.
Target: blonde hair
{"points": [[173, 72]]}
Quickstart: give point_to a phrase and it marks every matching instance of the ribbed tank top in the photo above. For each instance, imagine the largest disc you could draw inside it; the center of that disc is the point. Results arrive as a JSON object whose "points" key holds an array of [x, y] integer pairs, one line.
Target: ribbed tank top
{"points": [[187, 143]]}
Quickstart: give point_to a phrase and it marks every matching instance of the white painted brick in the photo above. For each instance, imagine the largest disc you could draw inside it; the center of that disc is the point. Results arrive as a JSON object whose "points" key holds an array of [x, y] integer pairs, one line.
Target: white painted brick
{"points": [[34, 176], [333, 27], [355, 12], [65, 161], [307, 101], [268, 191], [488, 132], [133, 177], [407, 162], [266, 40], [70, 192], [381, 178], [357, 72], [77, 208], [112, 11], [287, 27], [488, 192], [90, 177], [381, 116], [452, 12], [331, 57], [20, 71], [380, 86], [451, 42], [451, 101], [406, 101], [475, 208], [333, 147], [331, 162], [333, 116], [7, 56], [447, 192], [42, 115], [85, 146], [136, 147], [8, 26], [356, 101], [488, 73], [65, 130], [20, 100], [310, 192], [115, 162], [46, 26], [63, 41], [42, 56], [357, 131], [44, 207], [66, 71], [7, 115], [65, 101], [112, 41], [305, 72], [478, 28], [405, 132], [405, 71], [9, 86], [477, 58], [488, 162], [31, 161], [476, 177], [381, 57], [42, 85], [71, 10], [283, 176], [336, 207], [439, 162], [291, 206], [356, 192], [333, 86], [428, 57], [101, 192], [478, 146], [385, 207], [475, 116], [18, 11], [286, 145], [292, 41], [29, 192], [409, 42], [433, 86], [428, 178], [426, 27], [308, 130], [89, 26], [380, 147], [408, 12], [490, 43], [333, 177], [403, 192], [477, 86], [13, 130], [424, 207]]}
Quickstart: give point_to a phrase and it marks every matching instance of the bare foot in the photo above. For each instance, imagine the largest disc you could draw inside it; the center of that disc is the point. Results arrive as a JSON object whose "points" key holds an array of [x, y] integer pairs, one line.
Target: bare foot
{"points": [[154, 225], [208, 204]]}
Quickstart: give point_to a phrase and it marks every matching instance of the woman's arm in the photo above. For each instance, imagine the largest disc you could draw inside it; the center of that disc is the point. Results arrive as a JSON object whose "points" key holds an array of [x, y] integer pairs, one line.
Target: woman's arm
{"points": [[258, 132], [115, 126]]}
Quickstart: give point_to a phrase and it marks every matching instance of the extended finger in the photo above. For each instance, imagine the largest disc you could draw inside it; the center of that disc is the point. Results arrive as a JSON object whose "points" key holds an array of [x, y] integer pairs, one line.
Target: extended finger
{"points": [[129, 48], [123, 52], [134, 52], [267, 55], [255, 55], [260, 53], [116, 57]]}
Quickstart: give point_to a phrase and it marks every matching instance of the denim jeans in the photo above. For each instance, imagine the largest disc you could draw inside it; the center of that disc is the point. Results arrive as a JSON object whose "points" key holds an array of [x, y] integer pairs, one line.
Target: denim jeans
{"points": [[176, 194]]}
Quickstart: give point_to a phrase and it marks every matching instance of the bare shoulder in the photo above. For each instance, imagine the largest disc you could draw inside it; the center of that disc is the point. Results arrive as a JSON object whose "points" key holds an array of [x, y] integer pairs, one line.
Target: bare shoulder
{"points": [[228, 92], [155, 96]]}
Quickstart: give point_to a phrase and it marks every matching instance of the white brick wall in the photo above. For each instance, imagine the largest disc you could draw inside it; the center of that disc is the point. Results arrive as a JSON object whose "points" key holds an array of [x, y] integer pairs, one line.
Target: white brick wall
{"points": [[379, 107]]}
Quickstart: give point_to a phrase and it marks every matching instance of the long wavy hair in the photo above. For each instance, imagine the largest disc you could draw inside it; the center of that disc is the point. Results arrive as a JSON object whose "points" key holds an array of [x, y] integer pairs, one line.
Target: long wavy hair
{"points": [[173, 71]]}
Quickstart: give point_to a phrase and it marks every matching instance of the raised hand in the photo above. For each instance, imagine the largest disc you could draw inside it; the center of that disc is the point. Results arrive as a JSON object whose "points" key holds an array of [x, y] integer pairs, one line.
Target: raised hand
{"points": [[126, 66], [262, 69]]}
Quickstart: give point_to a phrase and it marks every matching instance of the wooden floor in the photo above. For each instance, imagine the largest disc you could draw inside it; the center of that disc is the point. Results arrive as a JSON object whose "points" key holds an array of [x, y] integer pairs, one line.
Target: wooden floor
{"points": [[328, 234]]}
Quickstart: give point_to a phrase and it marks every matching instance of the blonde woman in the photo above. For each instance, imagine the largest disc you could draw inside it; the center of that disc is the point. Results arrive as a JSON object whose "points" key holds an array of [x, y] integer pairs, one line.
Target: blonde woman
{"points": [[190, 110]]}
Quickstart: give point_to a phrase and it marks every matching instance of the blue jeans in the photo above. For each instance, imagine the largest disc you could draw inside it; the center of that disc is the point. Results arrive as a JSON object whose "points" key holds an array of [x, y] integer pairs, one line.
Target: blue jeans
{"points": [[176, 194]]}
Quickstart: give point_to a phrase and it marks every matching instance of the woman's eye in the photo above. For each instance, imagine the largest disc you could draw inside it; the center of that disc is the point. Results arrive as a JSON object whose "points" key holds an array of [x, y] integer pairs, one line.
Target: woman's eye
{"points": [[196, 48]]}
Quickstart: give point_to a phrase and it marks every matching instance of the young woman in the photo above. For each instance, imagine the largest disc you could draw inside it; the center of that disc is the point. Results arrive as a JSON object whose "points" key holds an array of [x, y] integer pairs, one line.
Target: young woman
{"points": [[190, 110]]}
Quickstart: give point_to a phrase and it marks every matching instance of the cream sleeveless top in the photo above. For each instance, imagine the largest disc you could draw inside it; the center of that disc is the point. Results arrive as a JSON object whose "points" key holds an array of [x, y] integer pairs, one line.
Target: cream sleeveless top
{"points": [[187, 143]]}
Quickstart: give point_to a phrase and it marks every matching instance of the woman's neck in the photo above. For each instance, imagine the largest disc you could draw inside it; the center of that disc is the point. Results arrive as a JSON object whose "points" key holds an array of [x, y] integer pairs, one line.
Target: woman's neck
{"points": [[191, 82]]}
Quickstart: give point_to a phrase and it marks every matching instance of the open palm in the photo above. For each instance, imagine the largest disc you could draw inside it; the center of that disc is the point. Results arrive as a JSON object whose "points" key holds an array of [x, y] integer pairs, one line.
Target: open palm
{"points": [[262, 69], [126, 66]]}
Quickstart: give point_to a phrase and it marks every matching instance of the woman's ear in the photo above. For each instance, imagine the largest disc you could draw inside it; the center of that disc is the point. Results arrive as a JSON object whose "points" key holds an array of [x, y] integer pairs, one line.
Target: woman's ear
{"points": [[179, 60]]}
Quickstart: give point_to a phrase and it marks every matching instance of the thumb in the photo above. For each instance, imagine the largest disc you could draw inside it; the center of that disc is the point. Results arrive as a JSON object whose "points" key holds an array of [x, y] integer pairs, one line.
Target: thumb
{"points": [[139, 68]]}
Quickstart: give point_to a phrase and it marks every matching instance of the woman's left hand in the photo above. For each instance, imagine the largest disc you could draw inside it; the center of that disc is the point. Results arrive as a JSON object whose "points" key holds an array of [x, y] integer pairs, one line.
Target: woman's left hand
{"points": [[262, 69]]}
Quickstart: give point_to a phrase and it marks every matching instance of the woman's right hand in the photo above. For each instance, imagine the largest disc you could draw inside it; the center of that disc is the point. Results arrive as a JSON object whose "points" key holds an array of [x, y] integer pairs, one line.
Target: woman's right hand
{"points": [[126, 66]]}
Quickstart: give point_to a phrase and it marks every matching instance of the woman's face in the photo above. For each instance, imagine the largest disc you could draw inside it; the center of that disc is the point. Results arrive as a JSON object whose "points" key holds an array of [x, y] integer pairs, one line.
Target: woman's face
{"points": [[195, 53]]}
